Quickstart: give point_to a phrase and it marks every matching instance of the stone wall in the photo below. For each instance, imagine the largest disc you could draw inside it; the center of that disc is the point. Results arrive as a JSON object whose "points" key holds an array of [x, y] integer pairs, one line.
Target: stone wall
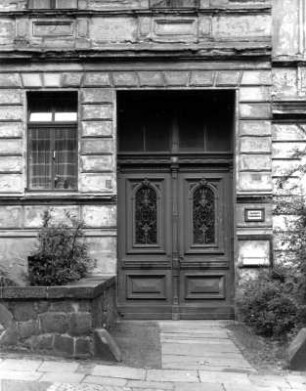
{"points": [[56, 320]]}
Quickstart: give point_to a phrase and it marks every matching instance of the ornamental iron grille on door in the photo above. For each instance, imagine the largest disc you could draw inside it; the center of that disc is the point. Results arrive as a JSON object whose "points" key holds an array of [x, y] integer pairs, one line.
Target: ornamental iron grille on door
{"points": [[175, 244]]}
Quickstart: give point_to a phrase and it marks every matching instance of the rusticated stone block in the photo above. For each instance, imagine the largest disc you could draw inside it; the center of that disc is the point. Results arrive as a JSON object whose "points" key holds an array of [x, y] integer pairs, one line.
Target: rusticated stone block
{"points": [[27, 329], [96, 163], [40, 342], [7, 28], [100, 216], [11, 113], [177, 78], [61, 306], [96, 128], [32, 80], [255, 128], [6, 316], [254, 94], [255, 162], [24, 311], [125, 79], [95, 111], [297, 351], [10, 96], [42, 306], [83, 347], [72, 79], [255, 144], [97, 183], [80, 324], [202, 78], [230, 78], [260, 182], [64, 344], [11, 129], [10, 80], [97, 146], [151, 78], [97, 95], [54, 322], [253, 252], [10, 216], [11, 183], [11, 147], [10, 336], [241, 26], [255, 110], [67, 4], [285, 82], [100, 79], [52, 79], [11, 164]]}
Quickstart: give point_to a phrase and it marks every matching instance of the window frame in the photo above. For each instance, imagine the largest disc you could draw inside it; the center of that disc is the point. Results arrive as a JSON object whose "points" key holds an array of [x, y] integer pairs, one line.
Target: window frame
{"points": [[53, 126]]}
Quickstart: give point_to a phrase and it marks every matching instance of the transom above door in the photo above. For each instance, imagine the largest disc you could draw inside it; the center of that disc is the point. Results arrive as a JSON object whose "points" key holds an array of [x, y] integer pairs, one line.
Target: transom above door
{"points": [[174, 175]]}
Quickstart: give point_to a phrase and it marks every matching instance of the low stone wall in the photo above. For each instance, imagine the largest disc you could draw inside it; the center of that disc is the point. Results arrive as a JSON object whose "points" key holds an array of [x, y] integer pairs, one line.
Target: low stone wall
{"points": [[57, 320]]}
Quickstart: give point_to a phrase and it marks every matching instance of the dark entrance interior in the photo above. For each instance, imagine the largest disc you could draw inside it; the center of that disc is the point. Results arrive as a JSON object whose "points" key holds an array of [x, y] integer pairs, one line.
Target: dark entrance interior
{"points": [[175, 155]]}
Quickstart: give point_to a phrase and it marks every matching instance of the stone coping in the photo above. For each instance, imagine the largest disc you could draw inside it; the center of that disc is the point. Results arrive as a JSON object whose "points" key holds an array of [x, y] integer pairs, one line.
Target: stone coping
{"points": [[87, 288]]}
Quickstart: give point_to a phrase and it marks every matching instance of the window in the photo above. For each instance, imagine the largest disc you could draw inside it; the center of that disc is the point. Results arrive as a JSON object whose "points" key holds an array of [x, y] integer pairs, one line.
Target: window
{"points": [[52, 141], [174, 4], [52, 4]]}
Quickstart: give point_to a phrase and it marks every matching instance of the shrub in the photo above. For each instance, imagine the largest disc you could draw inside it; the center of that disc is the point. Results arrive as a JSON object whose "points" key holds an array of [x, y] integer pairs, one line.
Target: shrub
{"points": [[271, 303], [62, 255]]}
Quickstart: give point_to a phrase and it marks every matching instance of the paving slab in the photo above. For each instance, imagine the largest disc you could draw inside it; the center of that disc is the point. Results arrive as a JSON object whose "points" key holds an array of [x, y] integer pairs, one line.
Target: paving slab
{"points": [[134, 384], [58, 366], [64, 377], [20, 365], [172, 375], [19, 375], [113, 381], [118, 371], [198, 387], [219, 377]]}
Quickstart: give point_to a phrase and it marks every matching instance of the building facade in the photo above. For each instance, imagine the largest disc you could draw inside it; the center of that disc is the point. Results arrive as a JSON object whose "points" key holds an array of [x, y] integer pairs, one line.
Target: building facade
{"points": [[165, 125]]}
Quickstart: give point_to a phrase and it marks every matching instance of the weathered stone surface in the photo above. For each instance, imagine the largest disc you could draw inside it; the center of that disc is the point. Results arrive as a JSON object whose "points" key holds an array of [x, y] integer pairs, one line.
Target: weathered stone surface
{"points": [[241, 26], [100, 79], [12, 164], [40, 342], [32, 80], [254, 94], [97, 95], [297, 351], [285, 82], [113, 29], [97, 146], [10, 336], [285, 222], [53, 28], [24, 311], [11, 113], [115, 5], [202, 78], [255, 128], [83, 347], [177, 78], [100, 216], [7, 31], [11, 129], [28, 329], [260, 182], [80, 324], [95, 111], [10, 96], [95, 163], [10, 216], [54, 322], [105, 346], [125, 79], [255, 110], [64, 344], [255, 162], [228, 78], [150, 78], [11, 183], [52, 79], [96, 128], [34, 213], [289, 132], [11, 147], [174, 29], [256, 78], [10, 80], [288, 150], [61, 306], [255, 144]]}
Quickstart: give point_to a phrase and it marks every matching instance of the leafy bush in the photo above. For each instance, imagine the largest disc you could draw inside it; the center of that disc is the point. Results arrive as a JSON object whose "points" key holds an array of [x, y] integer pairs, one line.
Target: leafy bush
{"points": [[5, 279], [62, 256], [271, 303]]}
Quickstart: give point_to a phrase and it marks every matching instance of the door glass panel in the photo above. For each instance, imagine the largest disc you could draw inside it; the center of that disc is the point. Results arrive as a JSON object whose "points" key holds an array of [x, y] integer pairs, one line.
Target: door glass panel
{"points": [[146, 215], [203, 216]]}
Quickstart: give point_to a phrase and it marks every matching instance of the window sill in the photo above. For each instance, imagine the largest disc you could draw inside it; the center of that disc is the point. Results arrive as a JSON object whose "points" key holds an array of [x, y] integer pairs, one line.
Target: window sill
{"points": [[64, 197]]}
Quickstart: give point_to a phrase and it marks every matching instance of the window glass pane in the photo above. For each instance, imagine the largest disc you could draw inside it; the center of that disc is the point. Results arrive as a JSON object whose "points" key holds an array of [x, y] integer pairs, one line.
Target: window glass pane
{"points": [[65, 167], [40, 160], [66, 3], [191, 127], [157, 131], [40, 4], [219, 136], [40, 117], [65, 117], [131, 132]]}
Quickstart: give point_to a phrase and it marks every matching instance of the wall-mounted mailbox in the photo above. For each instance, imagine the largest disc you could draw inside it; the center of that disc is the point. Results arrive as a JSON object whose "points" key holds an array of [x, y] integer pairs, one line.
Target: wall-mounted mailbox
{"points": [[254, 215]]}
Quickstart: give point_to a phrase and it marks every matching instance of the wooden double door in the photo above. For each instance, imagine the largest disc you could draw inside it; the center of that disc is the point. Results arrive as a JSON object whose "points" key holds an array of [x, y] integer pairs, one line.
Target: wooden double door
{"points": [[175, 241]]}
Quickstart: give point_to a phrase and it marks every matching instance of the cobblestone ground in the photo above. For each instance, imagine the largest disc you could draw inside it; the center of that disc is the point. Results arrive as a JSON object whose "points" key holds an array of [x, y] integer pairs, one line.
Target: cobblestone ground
{"points": [[196, 356]]}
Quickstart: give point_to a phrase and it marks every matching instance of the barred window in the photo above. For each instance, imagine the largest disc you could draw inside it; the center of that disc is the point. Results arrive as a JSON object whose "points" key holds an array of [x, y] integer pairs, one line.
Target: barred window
{"points": [[52, 4], [52, 141]]}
